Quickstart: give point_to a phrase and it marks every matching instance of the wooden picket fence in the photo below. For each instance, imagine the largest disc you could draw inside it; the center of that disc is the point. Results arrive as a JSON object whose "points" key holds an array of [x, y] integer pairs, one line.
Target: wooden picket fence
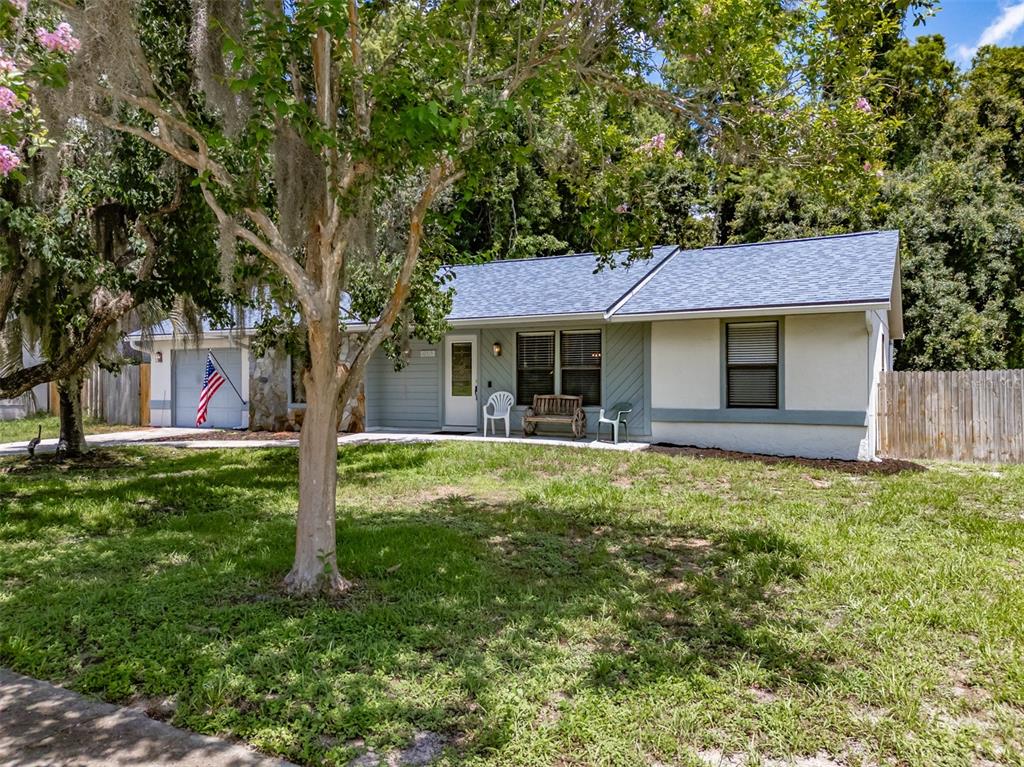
{"points": [[970, 415]]}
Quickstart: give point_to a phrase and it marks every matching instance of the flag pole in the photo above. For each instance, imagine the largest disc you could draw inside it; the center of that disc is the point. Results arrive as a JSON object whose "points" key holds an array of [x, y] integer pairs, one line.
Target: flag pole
{"points": [[226, 377]]}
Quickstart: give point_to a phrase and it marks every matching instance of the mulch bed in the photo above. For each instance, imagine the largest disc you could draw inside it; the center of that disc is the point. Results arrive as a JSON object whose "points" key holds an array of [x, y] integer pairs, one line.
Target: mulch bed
{"points": [[885, 466], [218, 434]]}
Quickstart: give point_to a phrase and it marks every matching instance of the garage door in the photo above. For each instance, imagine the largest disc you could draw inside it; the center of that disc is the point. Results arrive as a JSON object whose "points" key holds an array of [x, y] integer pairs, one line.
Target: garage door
{"points": [[225, 408]]}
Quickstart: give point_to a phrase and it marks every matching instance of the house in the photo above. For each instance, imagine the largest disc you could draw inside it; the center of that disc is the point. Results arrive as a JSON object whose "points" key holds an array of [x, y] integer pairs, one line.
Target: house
{"points": [[772, 347], [36, 400]]}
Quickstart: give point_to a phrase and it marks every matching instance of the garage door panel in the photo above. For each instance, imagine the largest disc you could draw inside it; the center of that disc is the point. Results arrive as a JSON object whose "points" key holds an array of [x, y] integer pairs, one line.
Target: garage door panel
{"points": [[225, 410]]}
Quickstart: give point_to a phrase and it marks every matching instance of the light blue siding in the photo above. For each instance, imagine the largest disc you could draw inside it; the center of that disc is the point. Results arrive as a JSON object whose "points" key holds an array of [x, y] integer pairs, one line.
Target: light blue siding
{"points": [[624, 374], [625, 371], [409, 398]]}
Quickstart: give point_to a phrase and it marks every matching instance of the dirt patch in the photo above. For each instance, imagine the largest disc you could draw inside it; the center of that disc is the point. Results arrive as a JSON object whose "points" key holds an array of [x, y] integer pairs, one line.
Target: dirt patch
{"points": [[885, 467], [425, 749], [716, 758], [232, 434]]}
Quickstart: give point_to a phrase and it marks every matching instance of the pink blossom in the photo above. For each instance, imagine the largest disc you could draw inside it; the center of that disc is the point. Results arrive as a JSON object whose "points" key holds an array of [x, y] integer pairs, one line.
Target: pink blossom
{"points": [[9, 160], [623, 208], [679, 154], [867, 166], [863, 105], [8, 100], [7, 65], [61, 39]]}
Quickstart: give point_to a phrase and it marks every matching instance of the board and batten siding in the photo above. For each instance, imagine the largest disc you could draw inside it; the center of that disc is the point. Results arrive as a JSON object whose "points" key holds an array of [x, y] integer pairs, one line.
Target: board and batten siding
{"points": [[409, 398]]}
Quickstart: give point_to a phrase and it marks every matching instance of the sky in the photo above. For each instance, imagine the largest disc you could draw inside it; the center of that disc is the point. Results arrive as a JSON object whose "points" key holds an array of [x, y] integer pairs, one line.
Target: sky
{"points": [[969, 24]]}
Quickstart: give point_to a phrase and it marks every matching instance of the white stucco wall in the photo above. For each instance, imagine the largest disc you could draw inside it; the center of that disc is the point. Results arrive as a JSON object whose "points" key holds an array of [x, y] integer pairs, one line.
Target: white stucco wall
{"points": [[685, 368], [826, 359], [807, 441], [162, 376], [830, 368]]}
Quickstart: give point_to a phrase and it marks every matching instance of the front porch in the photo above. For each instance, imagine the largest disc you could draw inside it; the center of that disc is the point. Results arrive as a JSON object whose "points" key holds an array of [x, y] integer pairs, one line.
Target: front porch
{"points": [[443, 387]]}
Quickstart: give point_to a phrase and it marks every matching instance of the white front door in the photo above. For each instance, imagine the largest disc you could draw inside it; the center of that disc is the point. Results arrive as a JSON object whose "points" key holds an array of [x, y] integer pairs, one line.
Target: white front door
{"points": [[460, 382]]}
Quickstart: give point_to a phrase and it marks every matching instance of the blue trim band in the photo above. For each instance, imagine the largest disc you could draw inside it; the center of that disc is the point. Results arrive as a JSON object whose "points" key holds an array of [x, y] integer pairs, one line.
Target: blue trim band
{"points": [[735, 415]]}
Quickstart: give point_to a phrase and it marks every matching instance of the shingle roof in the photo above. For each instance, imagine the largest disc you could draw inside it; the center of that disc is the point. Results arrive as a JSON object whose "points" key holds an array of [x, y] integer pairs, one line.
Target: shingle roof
{"points": [[843, 269], [553, 285], [840, 269]]}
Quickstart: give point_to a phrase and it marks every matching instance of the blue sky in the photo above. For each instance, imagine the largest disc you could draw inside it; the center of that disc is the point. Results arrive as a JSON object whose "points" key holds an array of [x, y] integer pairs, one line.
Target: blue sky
{"points": [[966, 24]]}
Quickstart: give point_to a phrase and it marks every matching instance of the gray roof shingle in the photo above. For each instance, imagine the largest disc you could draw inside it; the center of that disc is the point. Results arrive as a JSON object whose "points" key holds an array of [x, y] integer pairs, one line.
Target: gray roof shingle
{"points": [[538, 287], [840, 269], [843, 269]]}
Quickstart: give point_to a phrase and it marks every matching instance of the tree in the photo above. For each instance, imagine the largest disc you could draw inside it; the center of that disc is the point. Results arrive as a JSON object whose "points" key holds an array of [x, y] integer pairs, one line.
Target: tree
{"points": [[960, 209], [94, 227], [328, 139], [919, 86], [110, 223]]}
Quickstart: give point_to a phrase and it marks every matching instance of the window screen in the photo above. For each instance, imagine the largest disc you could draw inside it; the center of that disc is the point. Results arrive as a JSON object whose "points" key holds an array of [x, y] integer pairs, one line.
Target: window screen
{"points": [[752, 364], [581, 365], [535, 366]]}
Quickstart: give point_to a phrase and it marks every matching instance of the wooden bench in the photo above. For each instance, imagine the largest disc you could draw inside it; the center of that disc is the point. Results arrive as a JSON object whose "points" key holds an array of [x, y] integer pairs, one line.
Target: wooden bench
{"points": [[556, 408]]}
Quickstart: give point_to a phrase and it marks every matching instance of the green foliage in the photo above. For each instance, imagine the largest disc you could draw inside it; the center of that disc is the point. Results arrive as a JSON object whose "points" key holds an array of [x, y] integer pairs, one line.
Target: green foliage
{"points": [[962, 221]]}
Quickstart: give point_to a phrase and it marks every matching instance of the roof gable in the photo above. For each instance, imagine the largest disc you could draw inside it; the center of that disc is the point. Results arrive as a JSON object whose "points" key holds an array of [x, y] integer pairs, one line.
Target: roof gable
{"points": [[545, 287]]}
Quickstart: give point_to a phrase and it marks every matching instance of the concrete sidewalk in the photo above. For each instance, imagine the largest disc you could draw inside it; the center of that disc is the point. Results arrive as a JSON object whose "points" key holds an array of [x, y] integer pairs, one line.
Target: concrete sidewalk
{"points": [[183, 437], [41, 724]]}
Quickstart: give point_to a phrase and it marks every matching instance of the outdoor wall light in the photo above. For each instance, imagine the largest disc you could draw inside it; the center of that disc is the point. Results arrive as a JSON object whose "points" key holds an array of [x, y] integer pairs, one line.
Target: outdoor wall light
{"points": [[159, 356], [497, 349]]}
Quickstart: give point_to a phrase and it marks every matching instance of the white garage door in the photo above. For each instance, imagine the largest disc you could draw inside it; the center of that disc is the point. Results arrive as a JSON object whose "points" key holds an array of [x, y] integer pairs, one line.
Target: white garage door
{"points": [[225, 408]]}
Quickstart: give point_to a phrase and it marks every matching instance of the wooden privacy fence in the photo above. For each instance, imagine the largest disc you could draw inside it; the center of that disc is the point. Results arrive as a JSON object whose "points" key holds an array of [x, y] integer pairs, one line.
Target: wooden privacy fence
{"points": [[970, 415], [118, 398]]}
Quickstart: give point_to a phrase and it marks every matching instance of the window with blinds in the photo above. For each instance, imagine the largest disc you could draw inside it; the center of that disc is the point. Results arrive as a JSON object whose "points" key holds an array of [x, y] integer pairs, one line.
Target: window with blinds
{"points": [[535, 366], [752, 364], [580, 365]]}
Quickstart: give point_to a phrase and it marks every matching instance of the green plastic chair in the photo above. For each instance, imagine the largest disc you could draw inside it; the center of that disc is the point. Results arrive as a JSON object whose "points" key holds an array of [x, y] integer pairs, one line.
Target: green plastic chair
{"points": [[619, 412]]}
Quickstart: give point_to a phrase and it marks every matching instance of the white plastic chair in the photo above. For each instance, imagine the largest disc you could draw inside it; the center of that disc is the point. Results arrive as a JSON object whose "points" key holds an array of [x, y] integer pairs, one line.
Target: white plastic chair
{"points": [[500, 404], [620, 412]]}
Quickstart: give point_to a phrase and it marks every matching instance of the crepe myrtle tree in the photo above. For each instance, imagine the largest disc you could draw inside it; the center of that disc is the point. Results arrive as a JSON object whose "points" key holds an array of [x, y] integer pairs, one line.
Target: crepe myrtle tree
{"points": [[328, 136], [95, 227]]}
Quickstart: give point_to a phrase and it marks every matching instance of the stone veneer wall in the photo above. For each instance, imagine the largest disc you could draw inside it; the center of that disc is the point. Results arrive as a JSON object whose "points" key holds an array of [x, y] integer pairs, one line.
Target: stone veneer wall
{"points": [[269, 395]]}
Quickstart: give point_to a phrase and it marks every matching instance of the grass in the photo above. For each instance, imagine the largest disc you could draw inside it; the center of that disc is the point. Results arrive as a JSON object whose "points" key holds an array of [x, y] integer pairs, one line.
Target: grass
{"points": [[534, 606], [24, 429]]}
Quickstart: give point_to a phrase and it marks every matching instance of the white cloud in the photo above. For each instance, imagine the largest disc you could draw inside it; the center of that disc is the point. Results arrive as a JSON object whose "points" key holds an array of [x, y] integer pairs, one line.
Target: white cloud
{"points": [[1010, 19]]}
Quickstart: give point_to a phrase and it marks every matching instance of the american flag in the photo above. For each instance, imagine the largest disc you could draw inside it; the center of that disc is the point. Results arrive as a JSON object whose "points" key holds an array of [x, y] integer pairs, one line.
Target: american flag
{"points": [[212, 381]]}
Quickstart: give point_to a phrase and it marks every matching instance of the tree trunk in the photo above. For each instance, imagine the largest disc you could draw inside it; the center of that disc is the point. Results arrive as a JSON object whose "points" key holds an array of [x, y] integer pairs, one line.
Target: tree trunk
{"points": [[316, 564], [72, 425]]}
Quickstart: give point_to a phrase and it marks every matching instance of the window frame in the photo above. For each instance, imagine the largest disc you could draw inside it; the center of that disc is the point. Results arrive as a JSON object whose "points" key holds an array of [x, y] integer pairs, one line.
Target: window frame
{"points": [[554, 360], [556, 333], [599, 367], [779, 366]]}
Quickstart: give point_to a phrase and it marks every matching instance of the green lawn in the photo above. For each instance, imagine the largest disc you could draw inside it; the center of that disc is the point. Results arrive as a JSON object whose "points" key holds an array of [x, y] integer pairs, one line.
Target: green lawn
{"points": [[534, 606], [25, 429]]}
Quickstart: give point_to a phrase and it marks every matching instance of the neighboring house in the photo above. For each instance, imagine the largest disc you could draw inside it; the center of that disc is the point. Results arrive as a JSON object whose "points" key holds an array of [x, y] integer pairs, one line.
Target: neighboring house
{"points": [[773, 347], [31, 402]]}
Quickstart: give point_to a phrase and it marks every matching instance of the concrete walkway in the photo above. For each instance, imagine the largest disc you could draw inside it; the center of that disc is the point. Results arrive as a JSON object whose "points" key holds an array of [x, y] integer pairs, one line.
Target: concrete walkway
{"points": [[41, 724], [183, 435]]}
